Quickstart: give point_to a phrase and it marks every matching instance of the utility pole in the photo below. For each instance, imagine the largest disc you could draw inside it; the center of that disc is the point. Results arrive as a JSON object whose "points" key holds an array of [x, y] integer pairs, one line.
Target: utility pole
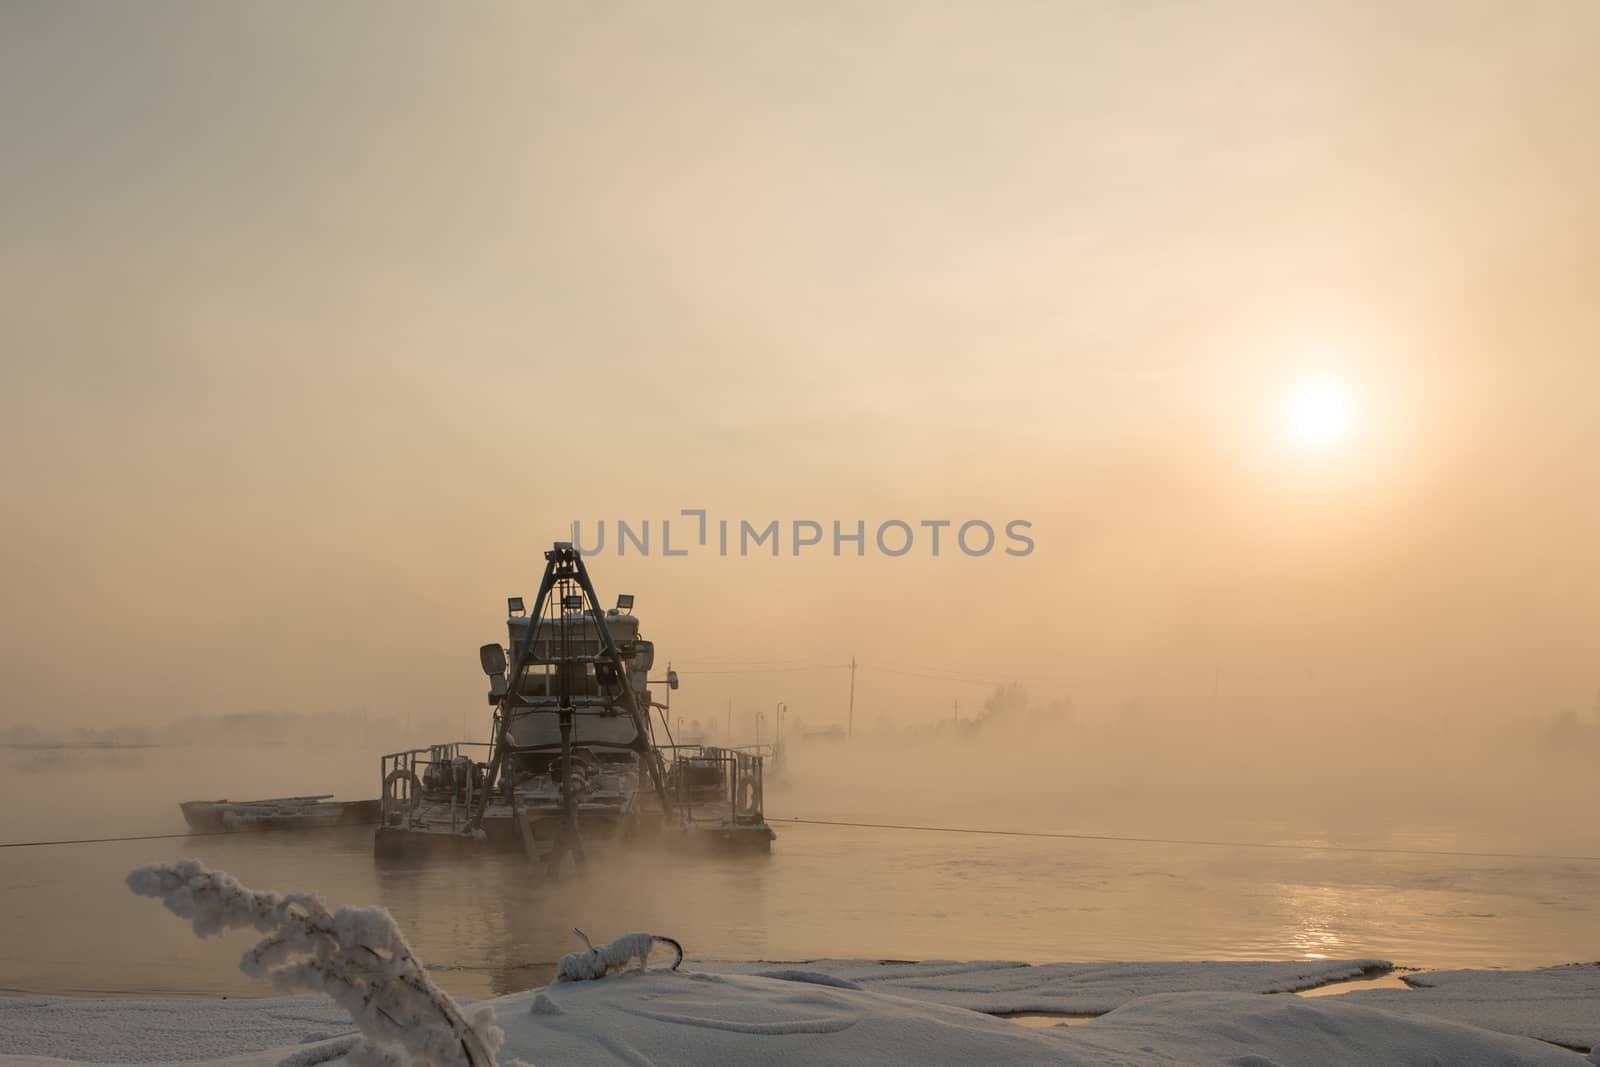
{"points": [[729, 741], [850, 726], [955, 713]]}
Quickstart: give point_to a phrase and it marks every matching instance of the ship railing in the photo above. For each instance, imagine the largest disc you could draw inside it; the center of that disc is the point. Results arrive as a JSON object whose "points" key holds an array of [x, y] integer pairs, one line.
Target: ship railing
{"points": [[765, 751], [403, 774], [740, 785]]}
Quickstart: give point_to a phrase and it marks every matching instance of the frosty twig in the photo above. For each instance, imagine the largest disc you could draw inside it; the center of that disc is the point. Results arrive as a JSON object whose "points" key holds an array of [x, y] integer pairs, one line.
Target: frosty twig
{"points": [[358, 956]]}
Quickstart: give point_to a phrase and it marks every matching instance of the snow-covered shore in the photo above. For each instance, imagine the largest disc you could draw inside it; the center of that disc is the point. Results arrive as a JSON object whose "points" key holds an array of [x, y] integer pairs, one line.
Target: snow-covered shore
{"points": [[862, 1011]]}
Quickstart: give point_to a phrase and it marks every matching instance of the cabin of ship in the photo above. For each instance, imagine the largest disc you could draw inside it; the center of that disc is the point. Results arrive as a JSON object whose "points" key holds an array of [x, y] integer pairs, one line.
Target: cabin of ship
{"points": [[565, 668]]}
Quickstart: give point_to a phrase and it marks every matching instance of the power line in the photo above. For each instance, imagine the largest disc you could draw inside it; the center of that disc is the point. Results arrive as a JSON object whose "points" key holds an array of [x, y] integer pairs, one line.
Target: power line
{"points": [[1060, 835], [811, 660], [774, 670], [950, 676], [948, 670], [973, 679]]}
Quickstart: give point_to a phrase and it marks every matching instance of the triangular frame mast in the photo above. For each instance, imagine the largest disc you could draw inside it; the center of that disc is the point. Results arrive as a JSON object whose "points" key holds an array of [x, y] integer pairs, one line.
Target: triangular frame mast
{"points": [[564, 563]]}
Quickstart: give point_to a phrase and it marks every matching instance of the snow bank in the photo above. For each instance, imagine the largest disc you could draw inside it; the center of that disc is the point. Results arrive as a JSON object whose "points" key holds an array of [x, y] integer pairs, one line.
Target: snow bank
{"points": [[664, 1018], [1006, 987], [166, 1029], [1244, 1031], [1557, 1004]]}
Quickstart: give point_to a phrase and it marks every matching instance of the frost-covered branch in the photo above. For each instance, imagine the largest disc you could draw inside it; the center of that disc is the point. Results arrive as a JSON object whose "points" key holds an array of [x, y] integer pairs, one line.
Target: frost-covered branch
{"points": [[358, 956], [596, 962]]}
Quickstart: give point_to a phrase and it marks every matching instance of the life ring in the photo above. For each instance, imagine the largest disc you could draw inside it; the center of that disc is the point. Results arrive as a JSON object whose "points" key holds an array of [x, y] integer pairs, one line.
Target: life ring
{"points": [[391, 798], [745, 799]]}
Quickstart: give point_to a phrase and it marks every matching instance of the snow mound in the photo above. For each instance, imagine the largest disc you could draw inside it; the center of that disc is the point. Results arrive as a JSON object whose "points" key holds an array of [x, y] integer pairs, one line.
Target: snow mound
{"points": [[662, 1019], [1006, 987], [1556, 1004], [665, 1019], [1246, 1031], [543, 1005], [814, 977]]}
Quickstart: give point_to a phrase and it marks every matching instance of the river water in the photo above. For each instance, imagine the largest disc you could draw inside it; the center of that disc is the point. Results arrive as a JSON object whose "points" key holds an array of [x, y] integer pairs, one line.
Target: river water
{"points": [[493, 925]]}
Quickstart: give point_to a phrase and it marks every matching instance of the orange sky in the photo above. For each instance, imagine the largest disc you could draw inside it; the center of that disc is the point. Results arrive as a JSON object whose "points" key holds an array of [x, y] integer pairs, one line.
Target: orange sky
{"points": [[321, 322]]}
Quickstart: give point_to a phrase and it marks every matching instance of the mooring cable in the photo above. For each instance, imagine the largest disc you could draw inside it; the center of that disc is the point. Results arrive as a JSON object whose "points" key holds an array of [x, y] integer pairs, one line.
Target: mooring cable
{"points": [[1207, 843], [191, 833], [1057, 835]]}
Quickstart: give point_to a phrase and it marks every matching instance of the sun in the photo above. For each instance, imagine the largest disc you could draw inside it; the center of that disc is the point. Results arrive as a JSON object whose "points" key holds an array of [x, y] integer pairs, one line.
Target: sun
{"points": [[1319, 412]]}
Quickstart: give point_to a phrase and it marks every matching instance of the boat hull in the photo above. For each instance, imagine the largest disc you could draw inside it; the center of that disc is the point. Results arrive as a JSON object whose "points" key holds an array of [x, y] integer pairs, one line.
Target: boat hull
{"points": [[290, 813], [502, 836]]}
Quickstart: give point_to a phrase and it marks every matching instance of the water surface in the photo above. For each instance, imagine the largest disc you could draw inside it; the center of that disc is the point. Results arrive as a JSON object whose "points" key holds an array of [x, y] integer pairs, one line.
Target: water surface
{"points": [[494, 925]]}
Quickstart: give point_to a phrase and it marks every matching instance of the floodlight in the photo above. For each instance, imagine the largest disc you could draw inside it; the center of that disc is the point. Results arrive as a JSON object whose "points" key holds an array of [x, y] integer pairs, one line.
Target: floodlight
{"points": [[625, 602], [572, 602], [514, 606], [493, 660]]}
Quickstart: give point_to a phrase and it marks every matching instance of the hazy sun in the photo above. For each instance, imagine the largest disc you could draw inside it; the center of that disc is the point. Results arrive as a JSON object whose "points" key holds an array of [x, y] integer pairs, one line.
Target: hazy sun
{"points": [[1318, 412]]}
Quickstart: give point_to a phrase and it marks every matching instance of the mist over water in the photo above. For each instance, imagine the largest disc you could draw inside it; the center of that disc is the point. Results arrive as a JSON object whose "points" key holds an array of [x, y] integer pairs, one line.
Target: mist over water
{"points": [[494, 924], [1445, 780]]}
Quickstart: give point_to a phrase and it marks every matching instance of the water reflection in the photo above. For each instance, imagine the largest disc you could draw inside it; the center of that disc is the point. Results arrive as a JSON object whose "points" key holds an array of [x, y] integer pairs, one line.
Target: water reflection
{"points": [[1320, 912], [501, 923]]}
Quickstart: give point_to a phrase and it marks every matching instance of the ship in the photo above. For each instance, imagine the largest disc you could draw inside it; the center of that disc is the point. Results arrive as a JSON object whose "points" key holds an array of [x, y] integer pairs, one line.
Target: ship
{"points": [[574, 767]]}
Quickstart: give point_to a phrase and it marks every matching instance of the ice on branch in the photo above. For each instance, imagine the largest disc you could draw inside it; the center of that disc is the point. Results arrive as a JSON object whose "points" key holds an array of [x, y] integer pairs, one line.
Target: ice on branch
{"points": [[613, 956], [357, 956]]}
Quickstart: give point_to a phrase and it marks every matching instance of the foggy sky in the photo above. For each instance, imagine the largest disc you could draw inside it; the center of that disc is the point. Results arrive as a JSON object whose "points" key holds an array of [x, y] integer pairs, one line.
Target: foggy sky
{"points": [[322, 321]]}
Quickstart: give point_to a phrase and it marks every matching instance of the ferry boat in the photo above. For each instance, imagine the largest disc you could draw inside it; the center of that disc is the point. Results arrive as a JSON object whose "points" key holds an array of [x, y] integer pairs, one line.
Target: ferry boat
{"points": [[573, 766]]}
